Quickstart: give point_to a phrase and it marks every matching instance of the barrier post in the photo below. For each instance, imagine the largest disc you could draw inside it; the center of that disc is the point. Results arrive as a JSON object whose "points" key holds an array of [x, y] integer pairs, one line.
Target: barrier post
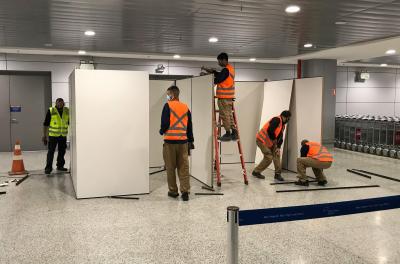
{"points": [[233, 234]]}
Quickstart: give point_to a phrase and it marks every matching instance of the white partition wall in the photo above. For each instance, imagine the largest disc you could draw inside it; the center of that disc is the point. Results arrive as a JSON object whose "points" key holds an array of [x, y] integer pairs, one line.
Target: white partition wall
{"points": [[110, 132], [248, 103], [277, 96], [306, 121], [157, 90], [202, 157]]}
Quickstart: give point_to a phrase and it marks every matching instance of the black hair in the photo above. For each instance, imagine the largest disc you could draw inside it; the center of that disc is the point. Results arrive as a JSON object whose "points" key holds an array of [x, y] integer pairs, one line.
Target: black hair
{"points": [[175, 90], [222, 56], [286, 114], [59, 99]]}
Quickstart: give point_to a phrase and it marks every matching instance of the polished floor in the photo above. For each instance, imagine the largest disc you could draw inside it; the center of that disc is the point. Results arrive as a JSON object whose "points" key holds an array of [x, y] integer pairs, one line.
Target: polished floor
{"points": [[42, 222]]}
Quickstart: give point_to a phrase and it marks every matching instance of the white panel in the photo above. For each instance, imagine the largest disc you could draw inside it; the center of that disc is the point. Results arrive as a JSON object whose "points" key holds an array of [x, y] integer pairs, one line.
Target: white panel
{"points": [[185, 87], [60, 90], [59, 71], [157, 100], [370, 108], [341, 95], [111, 138], [248, 104], [371, 95], [72, 132], [306, 121], [378, 80], [341, 79], [277, 96], [340, 108], [3, 64], [202, 157]]}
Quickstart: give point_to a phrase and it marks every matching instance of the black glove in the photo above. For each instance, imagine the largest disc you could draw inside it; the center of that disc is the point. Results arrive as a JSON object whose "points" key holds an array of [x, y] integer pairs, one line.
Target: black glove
{"points": [[191, 145]]}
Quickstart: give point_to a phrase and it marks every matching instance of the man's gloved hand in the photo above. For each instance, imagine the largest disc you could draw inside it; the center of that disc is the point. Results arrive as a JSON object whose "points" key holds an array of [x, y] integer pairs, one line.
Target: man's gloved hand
{"points": [[44, 140], [191, 145]]}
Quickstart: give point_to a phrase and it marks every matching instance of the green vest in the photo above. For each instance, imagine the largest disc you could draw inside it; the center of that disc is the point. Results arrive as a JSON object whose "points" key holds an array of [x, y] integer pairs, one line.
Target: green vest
{"points": [[58, 125]]}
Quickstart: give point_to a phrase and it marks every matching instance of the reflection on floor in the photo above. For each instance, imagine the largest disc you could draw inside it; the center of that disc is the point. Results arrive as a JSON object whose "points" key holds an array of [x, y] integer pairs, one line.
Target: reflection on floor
{"points": [[42, 222]]}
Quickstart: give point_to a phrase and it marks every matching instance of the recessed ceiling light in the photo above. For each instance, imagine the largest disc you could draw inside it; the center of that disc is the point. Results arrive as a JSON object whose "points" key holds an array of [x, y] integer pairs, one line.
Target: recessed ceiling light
{"points": [[391, 51], [81, 52], [213, 40], [383, 65], [340, 22], [90, 33], [177, 56], [48, 45], [308, 45], [292, 9], [252, 59]]}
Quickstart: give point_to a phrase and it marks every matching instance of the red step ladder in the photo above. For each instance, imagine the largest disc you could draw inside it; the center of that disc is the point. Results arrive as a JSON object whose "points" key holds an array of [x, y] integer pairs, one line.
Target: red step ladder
{"points": [[217, 133]]}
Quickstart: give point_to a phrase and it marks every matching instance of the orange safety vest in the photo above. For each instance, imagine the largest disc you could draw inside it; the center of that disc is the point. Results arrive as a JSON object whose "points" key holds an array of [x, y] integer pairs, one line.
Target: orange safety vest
{"points": [[262, 135], [178, 121], [226, 89], [318, 152]]}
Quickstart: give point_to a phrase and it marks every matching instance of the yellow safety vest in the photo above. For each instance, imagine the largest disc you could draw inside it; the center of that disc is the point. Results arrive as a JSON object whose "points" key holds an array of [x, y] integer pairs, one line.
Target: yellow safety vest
{"points": [[58, 124]]}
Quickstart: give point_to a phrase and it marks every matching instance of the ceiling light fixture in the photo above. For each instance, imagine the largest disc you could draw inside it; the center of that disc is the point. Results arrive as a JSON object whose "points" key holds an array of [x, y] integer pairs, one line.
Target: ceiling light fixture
{"points": [[390, 52], [308, 45], [292, 9], [340, 22], [177, 56], [384, 65], [252, 59], [81, 52], [90, 33], [213, 40]]}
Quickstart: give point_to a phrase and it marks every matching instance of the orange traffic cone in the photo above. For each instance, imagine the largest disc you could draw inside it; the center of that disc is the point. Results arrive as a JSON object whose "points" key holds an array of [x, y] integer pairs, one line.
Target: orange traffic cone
{"points": [[18, 163]]}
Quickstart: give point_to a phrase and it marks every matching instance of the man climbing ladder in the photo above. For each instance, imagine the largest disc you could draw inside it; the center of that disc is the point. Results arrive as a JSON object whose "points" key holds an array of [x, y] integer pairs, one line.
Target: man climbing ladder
{"points": [[225, 81], [225, 94]]}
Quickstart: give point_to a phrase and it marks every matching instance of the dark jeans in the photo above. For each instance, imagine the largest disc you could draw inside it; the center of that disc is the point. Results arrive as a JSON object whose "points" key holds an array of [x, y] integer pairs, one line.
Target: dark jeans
{"points": [[62, 146]]}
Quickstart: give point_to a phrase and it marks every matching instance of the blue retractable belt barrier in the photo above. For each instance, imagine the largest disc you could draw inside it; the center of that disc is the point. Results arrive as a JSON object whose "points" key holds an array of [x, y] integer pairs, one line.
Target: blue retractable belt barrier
{"points": [[303, 212]]}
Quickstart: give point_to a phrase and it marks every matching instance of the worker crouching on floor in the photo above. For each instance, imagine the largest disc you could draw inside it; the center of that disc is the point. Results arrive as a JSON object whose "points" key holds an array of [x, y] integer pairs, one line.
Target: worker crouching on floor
{"points": [[176, 126], [317, 157], [225, 81], [269, 141]]}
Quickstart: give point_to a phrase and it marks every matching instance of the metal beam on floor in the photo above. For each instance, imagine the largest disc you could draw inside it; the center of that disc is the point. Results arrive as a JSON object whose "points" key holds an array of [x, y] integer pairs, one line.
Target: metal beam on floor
{"points": [[328, 188], [378, 175], [359, 173]]}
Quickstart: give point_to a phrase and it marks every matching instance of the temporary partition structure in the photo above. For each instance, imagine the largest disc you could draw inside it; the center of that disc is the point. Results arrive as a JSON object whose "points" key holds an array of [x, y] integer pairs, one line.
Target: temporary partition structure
{"points": [[248, 103], [157, 100], [306, 121], [277, 97], [201, 95], [109, 132]]}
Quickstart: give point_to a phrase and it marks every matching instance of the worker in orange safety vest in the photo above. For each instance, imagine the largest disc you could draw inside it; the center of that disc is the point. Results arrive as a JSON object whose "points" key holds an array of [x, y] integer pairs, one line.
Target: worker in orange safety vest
{"points": [[315, 156], [225, 81]]}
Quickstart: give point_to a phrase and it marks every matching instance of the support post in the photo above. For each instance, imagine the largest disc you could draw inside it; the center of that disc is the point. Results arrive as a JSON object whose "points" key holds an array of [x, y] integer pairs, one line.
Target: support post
{"points": [[233, 234]]}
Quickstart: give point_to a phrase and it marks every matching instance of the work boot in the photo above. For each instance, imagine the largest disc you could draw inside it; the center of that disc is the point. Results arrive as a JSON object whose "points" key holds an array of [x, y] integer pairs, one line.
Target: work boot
{"points": [[226, 137], [173, 194], [62, 169], [47, 171], [235, 135], [322, 183], [185, 196], [258, 175], [278, 177], [301, 183]]}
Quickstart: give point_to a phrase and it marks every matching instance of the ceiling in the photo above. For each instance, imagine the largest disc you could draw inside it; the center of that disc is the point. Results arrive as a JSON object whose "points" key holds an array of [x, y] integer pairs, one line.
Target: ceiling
{"points": [[248, 28], [389, 60]]}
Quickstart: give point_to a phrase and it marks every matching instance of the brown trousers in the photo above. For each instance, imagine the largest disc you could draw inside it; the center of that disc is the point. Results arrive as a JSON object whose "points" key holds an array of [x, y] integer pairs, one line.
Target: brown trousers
{"points": [[225, 112], [176, 158], [317, 166], [270, 155]]}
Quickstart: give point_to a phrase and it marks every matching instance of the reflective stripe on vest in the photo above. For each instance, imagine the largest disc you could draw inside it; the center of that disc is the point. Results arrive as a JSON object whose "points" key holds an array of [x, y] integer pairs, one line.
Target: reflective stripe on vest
{"points": [[226, 89], [178, 121], [58, 124], [318, 152], [263, 136]]}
